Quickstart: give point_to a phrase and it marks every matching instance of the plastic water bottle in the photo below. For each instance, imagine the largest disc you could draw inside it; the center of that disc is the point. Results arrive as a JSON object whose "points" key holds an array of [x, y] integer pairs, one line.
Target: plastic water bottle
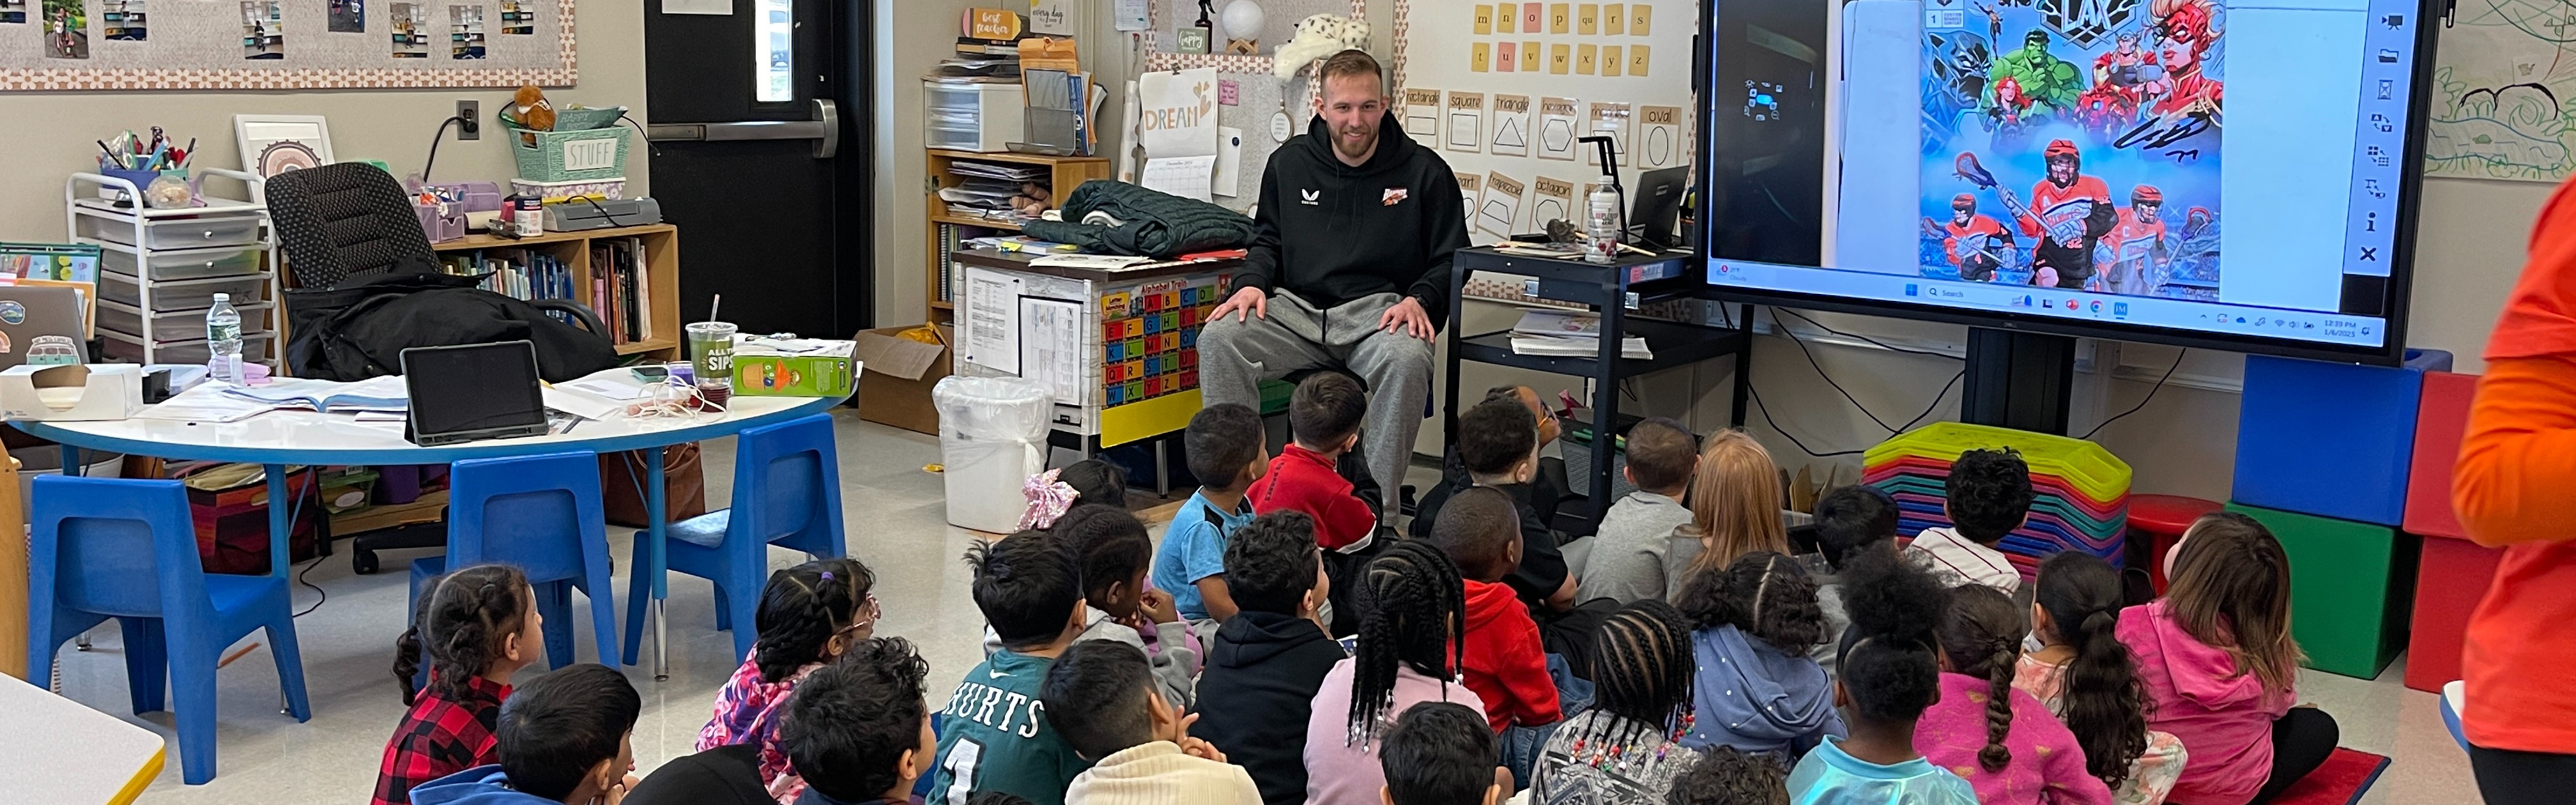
{"points": [[224, 340], [1601, 225]]}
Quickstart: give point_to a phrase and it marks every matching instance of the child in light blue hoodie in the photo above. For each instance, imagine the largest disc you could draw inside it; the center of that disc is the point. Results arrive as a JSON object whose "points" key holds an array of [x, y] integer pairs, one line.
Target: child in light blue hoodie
{"points": [[563, 738], [1756, 690]]}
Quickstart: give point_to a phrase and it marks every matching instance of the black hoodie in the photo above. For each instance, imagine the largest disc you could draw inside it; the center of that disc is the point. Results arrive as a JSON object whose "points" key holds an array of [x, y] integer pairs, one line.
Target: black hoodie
{"points": [[1254, 696], [1333, 233]]}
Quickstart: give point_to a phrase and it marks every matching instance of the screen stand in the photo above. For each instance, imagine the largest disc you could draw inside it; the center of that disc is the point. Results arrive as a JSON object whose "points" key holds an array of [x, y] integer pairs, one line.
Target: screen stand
{"points": [[2023, 381]]}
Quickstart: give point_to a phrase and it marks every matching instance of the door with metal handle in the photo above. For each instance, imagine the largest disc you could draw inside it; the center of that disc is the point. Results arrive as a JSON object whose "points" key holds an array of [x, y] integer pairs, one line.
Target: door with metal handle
{"points": [[824, 129]]}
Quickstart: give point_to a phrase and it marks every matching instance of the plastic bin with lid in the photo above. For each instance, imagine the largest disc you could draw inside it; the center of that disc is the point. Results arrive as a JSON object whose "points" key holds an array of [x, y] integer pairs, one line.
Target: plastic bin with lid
{"points": [[126, 349], [174, 233], [174, 325], [992, 437], [2085, 465], [184, 264], [172, 295]]}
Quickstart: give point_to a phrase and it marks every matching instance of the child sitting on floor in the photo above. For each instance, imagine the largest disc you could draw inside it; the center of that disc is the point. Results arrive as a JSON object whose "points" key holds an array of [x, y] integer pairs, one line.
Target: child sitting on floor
{"points": [[1412, 603], [479, 625], [1054, 492], [1113, 554], [2014, 752], [1755, 689], [995, 732], [808, 614], [2088, 679], [1101, 696], [2220, 669], [1989, 496], [1224, 443], [1324, 423], [1849, 520], [1266, 664], [1631, 553], [565, 738], [1438, 753], [1735, 508], [859, 729], [1729, 777], [1501, 656], [1890, 674], [1625, 749]]}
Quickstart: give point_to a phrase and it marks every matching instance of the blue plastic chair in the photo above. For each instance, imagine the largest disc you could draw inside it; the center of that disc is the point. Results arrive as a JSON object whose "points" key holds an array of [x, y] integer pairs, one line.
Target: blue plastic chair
{"points": [[108, 548], [786, 492], [542, 515]]}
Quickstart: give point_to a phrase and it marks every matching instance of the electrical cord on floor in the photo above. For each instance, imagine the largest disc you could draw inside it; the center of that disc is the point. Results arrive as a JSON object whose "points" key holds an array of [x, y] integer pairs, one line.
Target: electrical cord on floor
{"points": [[295, 509], [317, 589], [2151, 396]]}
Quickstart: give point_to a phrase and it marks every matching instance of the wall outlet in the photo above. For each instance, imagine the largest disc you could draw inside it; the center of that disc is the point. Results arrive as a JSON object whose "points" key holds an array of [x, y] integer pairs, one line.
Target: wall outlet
{"points": [[470, 120]]}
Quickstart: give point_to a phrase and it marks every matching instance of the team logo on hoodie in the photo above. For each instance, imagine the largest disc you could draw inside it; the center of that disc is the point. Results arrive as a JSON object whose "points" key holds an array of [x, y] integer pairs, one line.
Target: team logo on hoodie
{"points": [[1311, 198], [1391, 196]]}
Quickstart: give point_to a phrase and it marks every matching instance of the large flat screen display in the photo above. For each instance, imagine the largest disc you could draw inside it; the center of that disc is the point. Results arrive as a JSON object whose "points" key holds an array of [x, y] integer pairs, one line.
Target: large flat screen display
{"points": [[2231, 173]]}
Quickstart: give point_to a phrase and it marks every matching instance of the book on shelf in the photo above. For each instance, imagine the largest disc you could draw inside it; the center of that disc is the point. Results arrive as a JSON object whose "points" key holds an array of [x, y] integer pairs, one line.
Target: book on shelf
{"points": [[947, 246], [1630, 347], [1563, 332]]}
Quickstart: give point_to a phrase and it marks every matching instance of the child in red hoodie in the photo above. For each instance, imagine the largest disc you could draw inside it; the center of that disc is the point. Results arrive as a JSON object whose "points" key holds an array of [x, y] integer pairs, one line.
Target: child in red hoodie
{"points": [[1503, 662], [1324, 424]]}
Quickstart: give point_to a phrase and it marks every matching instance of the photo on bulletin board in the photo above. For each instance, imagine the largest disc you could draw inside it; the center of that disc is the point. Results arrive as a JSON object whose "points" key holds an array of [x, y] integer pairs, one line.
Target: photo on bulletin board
{"points": [[13, 12], [263, 30], [348, 16], [275, 144], [66, 30], [124, 20], [465, 32], [410, 24], [518, 18]]}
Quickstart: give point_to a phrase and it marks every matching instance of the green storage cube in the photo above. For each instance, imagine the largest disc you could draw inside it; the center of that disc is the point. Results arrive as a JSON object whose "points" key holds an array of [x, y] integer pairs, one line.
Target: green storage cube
{"points": [[2352, 587]]}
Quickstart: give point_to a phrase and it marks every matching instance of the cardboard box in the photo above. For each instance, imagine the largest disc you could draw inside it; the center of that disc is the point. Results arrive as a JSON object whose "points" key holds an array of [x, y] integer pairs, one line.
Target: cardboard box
{"points": [[894, 388], [64, 393], [804, 368]]}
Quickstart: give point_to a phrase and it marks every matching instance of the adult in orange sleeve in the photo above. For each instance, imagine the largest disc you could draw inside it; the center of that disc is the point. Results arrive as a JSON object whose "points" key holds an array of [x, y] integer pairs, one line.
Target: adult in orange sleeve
{"points": [[2512, 491]]}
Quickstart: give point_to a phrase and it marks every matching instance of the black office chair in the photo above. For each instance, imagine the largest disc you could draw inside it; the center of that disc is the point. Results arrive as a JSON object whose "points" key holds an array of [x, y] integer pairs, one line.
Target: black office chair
{"points": [[351, 221]]}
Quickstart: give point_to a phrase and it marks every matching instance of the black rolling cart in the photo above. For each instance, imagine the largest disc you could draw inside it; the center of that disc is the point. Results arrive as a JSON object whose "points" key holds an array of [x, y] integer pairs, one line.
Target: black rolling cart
{"points": [[1613, 291]]}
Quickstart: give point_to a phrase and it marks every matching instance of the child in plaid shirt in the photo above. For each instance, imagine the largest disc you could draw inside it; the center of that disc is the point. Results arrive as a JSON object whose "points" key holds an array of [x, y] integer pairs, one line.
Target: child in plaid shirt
{"points": [[808, 615], [479, 625]]}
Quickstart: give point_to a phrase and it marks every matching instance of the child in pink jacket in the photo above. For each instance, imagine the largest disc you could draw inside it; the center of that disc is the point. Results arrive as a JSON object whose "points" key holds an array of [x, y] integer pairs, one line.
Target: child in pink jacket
{"points": [[2218, 664], [2003, 741]]}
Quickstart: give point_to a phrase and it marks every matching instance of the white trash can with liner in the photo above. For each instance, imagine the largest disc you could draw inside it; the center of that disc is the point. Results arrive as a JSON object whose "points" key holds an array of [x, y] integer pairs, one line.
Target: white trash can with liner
{"points": [[992, 437]]}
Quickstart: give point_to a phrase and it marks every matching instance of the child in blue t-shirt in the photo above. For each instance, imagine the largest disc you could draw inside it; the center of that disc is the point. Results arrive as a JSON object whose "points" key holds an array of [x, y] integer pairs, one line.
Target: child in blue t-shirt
{"points": [[1890, 675], [1227, 453]]}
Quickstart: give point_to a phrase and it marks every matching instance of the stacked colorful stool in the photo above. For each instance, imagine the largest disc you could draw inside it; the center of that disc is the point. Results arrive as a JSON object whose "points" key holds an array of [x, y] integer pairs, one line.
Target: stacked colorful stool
{"points": [[2452, 575], [2083, 490], [2324, 452]]}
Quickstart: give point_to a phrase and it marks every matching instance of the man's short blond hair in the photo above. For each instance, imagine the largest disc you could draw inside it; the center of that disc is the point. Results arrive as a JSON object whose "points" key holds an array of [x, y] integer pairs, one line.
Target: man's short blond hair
{"points": [[1353, 62]]}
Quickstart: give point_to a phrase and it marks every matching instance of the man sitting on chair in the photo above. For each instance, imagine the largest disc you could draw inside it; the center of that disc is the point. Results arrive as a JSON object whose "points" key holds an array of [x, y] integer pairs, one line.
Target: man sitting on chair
{"points": [[1348, 268]]}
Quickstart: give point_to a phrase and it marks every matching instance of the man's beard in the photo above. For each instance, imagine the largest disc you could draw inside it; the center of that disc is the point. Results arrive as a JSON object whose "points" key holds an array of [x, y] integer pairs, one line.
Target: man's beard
{"points": [[1343, 145]]}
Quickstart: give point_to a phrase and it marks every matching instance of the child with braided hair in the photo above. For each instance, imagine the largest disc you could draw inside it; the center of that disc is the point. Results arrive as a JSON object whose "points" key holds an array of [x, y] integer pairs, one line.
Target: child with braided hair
{"points": [[808, 615], [2085, 676], [1627, 747], [1412, 608], [1756, 690], [1890, 674], [478, 625], [2004, 742]]}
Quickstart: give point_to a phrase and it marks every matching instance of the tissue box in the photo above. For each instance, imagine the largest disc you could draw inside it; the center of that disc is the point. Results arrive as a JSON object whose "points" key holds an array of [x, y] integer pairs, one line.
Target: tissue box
{"points": [[801, 368], [103, 391]]}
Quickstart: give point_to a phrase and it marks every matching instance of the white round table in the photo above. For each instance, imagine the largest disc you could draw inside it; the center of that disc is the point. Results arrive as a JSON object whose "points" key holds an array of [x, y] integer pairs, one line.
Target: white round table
{"points": [[280, 438]]}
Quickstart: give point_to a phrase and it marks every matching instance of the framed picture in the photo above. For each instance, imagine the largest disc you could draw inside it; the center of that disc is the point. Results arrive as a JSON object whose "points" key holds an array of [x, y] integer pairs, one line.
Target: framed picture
{"points": [[275, 144]]}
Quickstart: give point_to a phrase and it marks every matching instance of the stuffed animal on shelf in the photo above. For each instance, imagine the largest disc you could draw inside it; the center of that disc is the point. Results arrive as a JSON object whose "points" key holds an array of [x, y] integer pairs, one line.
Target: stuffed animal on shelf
{"points": [[1317, 37]]}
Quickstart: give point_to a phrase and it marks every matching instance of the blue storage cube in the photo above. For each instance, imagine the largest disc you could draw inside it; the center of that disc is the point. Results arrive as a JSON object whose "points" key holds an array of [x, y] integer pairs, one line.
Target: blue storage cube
{"points": [[2330, 439]]}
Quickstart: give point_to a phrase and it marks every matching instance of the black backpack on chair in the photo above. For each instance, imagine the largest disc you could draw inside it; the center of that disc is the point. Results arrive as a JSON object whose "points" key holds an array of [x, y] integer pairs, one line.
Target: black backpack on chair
{"points": [[371, 286]]}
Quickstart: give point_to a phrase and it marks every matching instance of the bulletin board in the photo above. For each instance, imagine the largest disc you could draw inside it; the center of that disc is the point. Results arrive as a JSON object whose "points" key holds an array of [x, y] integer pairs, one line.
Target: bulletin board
{"points": [[284, 44], [1257, 92], [1495, 122]]}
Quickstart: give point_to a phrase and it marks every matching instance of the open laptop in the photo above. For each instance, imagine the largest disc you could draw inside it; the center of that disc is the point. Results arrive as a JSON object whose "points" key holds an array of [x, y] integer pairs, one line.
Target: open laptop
{"points": [[473, 392], [1655, 206]]}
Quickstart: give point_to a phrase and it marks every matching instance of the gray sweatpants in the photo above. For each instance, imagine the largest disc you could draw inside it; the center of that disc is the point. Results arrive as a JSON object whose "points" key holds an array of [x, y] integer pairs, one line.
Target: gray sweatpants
{"points": [[1234, 357]]}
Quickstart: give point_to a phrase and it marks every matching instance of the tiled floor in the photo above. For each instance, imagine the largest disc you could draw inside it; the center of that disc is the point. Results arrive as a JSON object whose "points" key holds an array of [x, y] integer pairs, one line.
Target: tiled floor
{"points": [[896, 524]]}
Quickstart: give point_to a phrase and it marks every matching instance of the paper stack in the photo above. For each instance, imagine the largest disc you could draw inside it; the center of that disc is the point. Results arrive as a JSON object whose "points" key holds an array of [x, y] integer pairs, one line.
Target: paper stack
{"points": [[1554, 332]]}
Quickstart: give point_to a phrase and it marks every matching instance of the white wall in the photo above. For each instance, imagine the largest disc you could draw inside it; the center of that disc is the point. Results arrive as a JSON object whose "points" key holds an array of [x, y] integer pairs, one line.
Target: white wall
{"points": [[51, 132]]}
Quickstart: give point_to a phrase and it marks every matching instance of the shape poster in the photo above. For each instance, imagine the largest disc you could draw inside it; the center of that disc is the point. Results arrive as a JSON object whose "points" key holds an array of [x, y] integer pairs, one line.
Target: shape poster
{"points": [[348, 16], [1422, 116], [2057, 164], [1607, 120], [1466, 121], [66, 30], [1658, 140], [1468, 186], [1501, 208], [1557, 118], [410, 24], [1511, 126], [1550, 200]]}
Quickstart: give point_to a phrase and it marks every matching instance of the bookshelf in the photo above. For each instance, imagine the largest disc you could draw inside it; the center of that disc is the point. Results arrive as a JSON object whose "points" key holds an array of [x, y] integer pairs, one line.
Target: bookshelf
{"points": [[659, 285], [944, 230]]}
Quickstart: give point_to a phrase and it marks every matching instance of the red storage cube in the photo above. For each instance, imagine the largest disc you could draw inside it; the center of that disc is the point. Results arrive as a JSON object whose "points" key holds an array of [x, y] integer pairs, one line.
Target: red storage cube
{"points": [[2441, 420], [2451, 580]]}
